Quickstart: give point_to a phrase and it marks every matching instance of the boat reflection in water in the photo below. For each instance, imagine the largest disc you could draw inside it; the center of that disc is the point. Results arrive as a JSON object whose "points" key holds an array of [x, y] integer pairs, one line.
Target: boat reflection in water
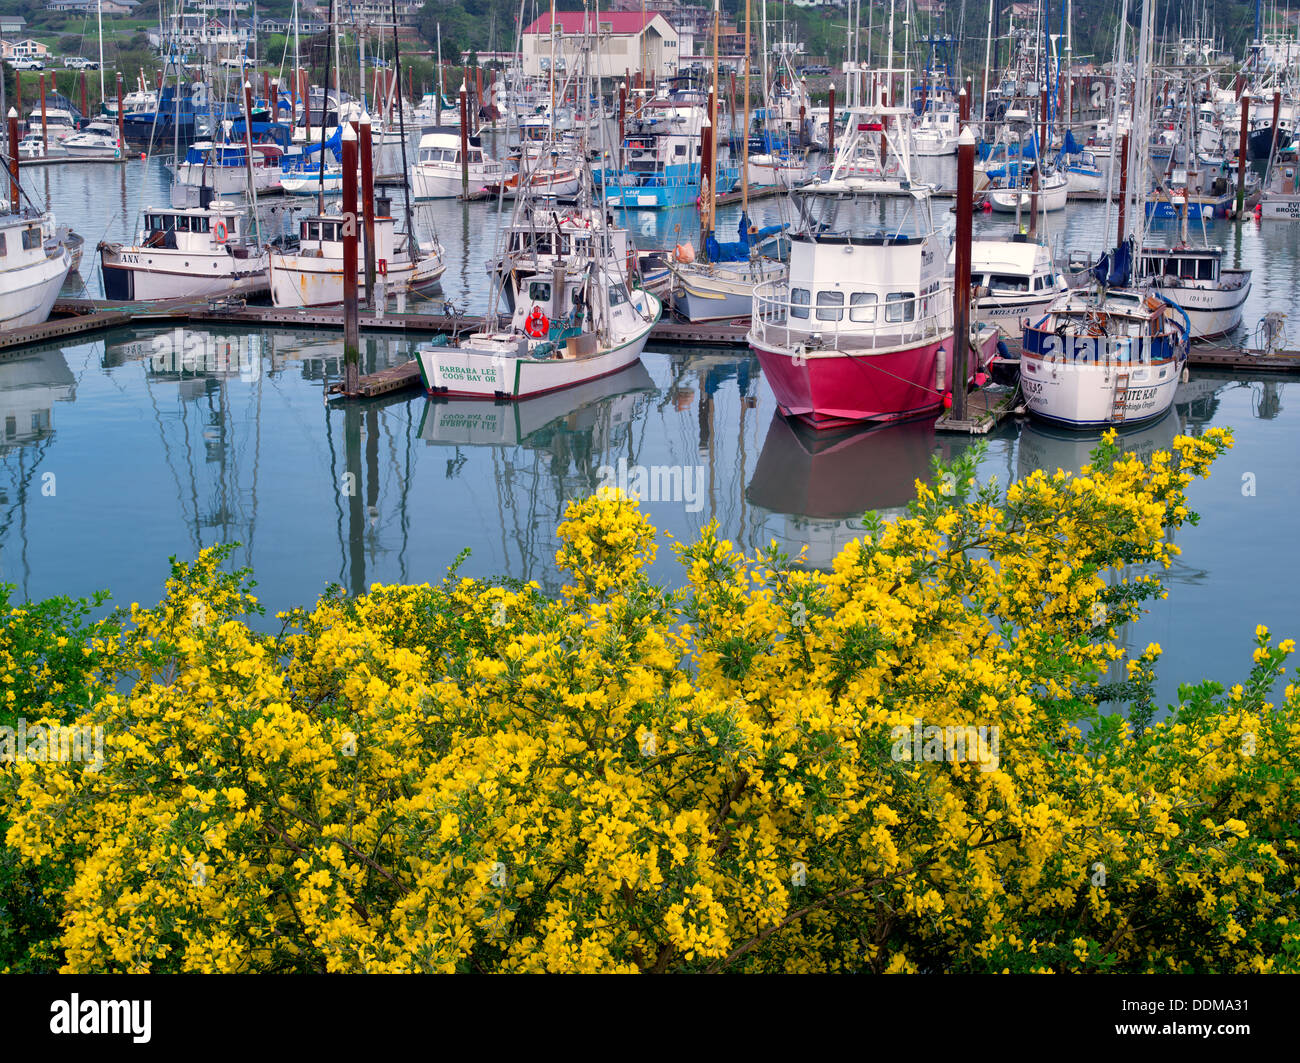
{"points": [[816, 486], [603, 408]]}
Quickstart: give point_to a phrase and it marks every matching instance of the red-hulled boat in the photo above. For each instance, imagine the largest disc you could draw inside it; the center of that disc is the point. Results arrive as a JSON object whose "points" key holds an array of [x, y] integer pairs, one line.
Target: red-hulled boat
{"points": [[862, 331]]}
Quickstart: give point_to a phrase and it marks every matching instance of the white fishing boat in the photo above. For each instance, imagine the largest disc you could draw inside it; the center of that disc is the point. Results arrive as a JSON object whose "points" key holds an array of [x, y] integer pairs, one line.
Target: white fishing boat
{"points": [[437, 173], [1100, 359], [225, 170], [33, 266], [183, 252], [722, 291], [574, 313], [1213, 297], [312, 273], [1013, 279]]}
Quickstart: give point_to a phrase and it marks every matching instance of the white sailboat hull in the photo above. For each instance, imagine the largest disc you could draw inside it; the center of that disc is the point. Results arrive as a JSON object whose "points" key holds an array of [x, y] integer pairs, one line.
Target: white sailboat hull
{"points": [[1084, 396]]}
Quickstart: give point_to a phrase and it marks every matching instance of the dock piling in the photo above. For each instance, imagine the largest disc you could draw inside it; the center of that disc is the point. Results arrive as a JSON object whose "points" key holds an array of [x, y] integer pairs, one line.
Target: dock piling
{"points": [[351, 324]]}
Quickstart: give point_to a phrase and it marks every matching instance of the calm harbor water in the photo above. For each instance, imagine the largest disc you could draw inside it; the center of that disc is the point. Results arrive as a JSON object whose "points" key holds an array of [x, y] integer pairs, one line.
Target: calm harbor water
{"points": [[141, 443]]}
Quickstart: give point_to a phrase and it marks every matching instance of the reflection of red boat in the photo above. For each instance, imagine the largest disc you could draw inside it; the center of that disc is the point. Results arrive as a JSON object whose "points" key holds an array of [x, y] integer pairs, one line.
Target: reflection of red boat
{"points": [[817, 485], [843, 473]]}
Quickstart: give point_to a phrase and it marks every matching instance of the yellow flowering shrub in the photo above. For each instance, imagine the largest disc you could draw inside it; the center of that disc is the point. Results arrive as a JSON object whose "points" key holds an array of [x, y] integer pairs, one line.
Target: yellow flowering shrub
{"points": [[741, 775]]}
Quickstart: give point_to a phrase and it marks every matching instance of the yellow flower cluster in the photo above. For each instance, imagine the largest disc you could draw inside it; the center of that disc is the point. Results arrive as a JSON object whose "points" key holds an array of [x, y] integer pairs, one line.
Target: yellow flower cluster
{"points": [[472, 777]]}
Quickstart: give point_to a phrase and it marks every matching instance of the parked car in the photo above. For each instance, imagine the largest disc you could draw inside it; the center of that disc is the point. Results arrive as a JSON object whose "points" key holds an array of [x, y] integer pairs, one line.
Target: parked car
{"points": [[27, 62], [814, 71], [238, 62], [79, 62]]}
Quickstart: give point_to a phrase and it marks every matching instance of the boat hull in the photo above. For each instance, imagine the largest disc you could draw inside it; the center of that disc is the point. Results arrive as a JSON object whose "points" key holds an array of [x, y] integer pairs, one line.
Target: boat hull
{"points": [[470, 373], [830, 389], [27, 294], [131, 275], [301, 280]]}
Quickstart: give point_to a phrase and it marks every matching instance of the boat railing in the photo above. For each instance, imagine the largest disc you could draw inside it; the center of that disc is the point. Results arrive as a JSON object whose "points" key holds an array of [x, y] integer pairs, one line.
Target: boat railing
{"points": [[779, 322]]}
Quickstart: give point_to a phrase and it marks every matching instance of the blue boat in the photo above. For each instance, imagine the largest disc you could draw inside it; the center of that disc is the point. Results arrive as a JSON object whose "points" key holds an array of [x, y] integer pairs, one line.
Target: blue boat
{"points": [[663, 154]]}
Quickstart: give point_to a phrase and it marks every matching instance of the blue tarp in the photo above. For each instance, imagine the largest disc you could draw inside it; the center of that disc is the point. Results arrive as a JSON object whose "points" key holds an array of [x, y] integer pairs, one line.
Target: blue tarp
{"points": [[1115, 266], [1070, 146], [334, 143], [739, 250]]}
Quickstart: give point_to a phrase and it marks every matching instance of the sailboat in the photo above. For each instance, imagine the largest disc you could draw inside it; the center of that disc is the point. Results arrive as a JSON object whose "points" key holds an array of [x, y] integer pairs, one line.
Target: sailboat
{"points": [[722, 288], [1113, 354]]}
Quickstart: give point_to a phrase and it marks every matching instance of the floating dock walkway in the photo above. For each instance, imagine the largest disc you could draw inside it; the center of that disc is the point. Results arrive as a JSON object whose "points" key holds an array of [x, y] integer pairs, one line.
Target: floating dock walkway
{"points": [[74, 319]]}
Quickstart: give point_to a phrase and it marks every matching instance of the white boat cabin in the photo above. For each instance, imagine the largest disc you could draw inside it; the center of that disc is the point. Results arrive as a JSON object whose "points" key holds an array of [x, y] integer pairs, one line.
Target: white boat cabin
{"points": [[886, 285], [193, 228], [442, 147], [22, 239], [321, 236], [1188, 264], [1017, 266]]}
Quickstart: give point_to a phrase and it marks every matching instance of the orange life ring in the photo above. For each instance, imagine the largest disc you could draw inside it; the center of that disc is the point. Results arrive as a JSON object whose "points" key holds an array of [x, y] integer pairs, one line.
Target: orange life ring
{"points": [[219, 232], [537, 324]]}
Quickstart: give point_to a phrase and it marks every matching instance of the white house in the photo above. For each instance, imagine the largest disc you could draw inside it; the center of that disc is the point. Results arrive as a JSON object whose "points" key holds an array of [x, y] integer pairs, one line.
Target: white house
{"points": [[622, 39]]}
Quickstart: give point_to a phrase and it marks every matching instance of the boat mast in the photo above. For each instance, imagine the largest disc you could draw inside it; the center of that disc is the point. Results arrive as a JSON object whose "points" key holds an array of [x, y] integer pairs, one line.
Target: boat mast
{"points": [[713, 124], [99, 17], [744, 135]]}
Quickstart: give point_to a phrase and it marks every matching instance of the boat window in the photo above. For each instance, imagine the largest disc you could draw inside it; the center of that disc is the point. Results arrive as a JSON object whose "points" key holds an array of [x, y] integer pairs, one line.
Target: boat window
{"points": [[475, 156], [616, 296], [539, 291], [3, 251], [1187, 268], [31, 238], [680, 149], [202, 225], [311, 230], [900, 306], [1004, 282], [183, 225], [1205, 269], [1038, 284], [862, 306], [830, 306], [799, 299]]}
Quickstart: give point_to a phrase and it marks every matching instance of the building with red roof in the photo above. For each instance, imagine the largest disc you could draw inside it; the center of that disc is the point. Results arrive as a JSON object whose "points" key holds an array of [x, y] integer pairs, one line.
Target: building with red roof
{"points": [[622, 42]]}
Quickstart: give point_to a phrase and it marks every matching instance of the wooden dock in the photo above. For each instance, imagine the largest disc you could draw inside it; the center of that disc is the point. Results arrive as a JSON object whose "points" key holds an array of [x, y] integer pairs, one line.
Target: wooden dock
{"points": [[985, 410]]}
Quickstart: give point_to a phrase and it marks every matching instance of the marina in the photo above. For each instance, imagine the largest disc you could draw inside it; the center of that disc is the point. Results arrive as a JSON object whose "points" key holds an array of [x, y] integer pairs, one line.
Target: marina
{"points": [[567, 487]]}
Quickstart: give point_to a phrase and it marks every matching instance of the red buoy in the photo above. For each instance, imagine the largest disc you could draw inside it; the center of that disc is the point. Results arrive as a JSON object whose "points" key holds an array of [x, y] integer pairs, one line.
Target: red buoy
{"points": [[947, 400]]}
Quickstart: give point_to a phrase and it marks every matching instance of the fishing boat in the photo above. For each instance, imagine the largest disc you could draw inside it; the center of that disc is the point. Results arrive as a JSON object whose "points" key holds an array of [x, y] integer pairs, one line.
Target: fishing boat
{"points": [[1194, 277], [722, 289], [1280, 200], [225, 170], [574, 312], [437, 172], [664, 154], [183, 252], [937, 132], [311, 274], [33, 265], [862, 331]]}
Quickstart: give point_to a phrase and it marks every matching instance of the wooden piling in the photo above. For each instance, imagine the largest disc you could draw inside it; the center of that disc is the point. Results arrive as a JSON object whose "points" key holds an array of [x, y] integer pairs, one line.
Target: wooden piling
{"points": [[351, 324]]}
